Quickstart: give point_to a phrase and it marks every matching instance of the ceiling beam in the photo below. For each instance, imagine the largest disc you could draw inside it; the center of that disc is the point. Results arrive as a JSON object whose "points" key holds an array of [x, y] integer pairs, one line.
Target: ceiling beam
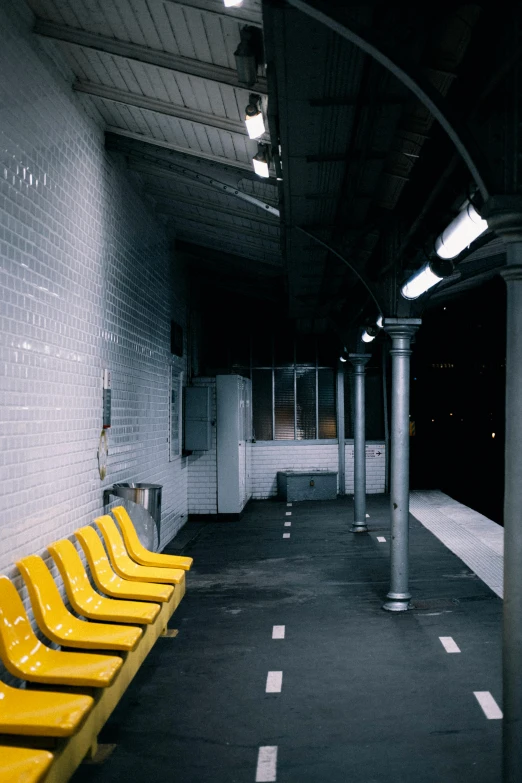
{"points": [[144, 54], [199, 203], [217, 7], [188, 153], [177, 172], [160, 107]]}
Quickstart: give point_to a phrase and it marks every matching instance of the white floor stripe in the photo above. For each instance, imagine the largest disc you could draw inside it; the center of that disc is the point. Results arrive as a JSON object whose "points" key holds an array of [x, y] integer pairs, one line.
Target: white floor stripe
{"points": [[274, 682], [449, 644], [381, 539], [288, 513], [286, 535], [278, 632], [288, 524], [489, 706], [288, 504], [266, 771]]}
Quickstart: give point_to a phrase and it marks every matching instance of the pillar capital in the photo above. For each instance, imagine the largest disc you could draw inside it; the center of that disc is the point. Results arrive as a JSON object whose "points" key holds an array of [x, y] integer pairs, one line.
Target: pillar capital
{"points": [[401, 327], [511, 273], [359, 360], [504, 216]]}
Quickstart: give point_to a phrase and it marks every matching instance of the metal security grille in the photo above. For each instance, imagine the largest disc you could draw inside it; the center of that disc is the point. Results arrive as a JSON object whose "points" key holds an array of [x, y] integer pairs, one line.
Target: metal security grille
{"points": [[292, 400]]}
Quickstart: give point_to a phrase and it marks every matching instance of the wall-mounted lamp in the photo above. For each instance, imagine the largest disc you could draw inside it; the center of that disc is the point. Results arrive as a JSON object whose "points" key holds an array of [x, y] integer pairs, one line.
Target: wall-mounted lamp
{"points": [[260, 160], [246, 59], [461, 232], [426, 277], [369, 334], [230, 3], [254, 117]]}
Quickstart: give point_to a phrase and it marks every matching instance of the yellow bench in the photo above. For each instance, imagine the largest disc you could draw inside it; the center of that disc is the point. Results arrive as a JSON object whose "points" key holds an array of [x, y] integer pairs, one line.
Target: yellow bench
{"points": [[110, 583], [23, 765], [127, 568], [138, 552], [41, 713], [58, 624], [24, 655], [86, 601], [69, 724]]}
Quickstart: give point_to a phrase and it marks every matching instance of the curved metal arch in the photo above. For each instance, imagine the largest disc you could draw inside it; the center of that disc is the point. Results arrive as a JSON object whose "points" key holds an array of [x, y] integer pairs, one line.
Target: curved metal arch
{"points": [[419, 86]]}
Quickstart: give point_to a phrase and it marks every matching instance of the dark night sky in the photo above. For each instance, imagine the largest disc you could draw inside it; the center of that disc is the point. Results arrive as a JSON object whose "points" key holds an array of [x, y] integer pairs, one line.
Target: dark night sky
{"points": [[458, 385]]}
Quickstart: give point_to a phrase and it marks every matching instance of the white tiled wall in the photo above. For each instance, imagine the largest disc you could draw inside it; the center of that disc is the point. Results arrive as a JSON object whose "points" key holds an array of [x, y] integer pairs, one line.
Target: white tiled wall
{"points": [[202, 473], [270, 457], [375, 468], [86, 280]]}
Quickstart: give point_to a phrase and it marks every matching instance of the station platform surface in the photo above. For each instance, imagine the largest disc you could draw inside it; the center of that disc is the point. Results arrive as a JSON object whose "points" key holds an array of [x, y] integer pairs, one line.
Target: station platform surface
{"points": [[364, 696]]}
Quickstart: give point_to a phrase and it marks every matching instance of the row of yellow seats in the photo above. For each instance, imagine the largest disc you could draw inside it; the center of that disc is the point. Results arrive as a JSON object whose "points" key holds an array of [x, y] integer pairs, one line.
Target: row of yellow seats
{"points": [[136, 580]]}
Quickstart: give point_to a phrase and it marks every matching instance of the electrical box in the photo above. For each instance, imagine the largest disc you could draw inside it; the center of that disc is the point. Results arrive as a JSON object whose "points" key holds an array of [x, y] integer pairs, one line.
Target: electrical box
{"points": [[234, 442], [198, 426]]}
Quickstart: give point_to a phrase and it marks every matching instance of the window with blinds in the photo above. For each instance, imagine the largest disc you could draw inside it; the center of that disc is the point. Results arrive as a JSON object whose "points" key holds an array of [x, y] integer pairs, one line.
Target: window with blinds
{"points": [[293, 400]]}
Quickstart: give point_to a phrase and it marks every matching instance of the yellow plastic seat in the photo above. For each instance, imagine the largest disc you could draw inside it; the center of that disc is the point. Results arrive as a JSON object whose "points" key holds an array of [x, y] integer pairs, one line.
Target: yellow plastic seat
{"points": [[126, 567], [24, 656], [86, 601], [59, 625], [110, 583], [23, 765], [138, 552], [41, 713]]}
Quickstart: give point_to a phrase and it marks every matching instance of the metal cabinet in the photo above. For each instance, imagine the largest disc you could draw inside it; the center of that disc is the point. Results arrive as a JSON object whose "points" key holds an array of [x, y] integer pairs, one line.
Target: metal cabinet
{"points": [[234, 442]]}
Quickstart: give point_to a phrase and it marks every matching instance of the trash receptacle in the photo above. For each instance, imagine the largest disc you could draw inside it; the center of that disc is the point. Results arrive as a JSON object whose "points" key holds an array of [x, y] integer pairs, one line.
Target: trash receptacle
{"points": [[146, 495]]}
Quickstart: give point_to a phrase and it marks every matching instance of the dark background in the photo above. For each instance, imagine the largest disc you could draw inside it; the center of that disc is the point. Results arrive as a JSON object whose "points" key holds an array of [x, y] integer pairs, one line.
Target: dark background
{"points": [[457, 399]]}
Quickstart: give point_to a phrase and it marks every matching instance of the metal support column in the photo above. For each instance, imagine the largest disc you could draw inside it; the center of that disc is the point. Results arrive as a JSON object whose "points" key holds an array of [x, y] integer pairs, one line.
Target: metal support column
{"points": [[504, 216], [359, 361], [401, 331], [340, 430], [512, 624]]}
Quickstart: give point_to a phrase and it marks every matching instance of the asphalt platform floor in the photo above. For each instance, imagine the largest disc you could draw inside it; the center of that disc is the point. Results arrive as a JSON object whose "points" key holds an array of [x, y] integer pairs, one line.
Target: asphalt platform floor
{"points": [[366, 696]]}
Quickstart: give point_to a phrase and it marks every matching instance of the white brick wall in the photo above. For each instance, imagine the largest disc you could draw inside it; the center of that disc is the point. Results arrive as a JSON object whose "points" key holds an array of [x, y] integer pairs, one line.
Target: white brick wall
{"points": [[202, 472], [375, 468], [270, 457], [86, 279]]}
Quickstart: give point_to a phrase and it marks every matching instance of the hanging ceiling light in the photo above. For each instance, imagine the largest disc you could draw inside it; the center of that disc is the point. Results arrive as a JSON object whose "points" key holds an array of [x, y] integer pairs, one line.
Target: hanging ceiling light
{"points": [[369, 334], [245, 54], [461, 232], [379, 322], [254, 117], [426, 277], [231, 3], [260, 160]]}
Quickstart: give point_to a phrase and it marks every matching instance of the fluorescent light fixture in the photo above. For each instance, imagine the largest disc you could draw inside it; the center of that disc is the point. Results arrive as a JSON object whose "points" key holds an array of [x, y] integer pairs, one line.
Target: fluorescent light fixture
{"points": [[254, 118], [426, 277], [231, 3], [260, 161], [461, 232]]}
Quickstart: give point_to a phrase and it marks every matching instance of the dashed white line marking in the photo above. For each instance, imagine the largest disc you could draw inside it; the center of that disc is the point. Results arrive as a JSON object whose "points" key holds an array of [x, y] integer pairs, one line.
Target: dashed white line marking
{"points": [[381, 539], [278, 632], [288, 513], [266, 771], [288, 504], [489, 706], [288, 524], [274, 682], [449, 644], [286, 535]]}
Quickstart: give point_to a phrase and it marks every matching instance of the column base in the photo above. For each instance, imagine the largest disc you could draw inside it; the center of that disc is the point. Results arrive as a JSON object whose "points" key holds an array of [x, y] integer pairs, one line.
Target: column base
{"points": [[397, 602], [359, 527]]}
